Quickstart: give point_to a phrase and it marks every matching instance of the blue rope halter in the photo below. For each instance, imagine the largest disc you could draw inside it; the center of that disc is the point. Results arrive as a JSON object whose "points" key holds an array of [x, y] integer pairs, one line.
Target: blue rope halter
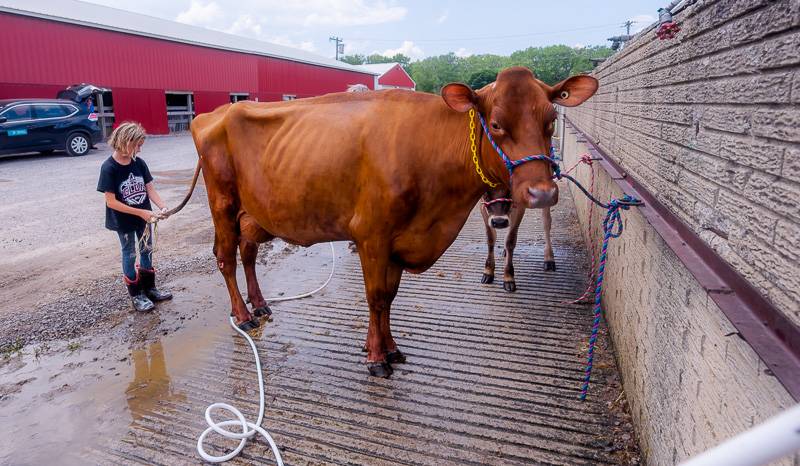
{"points": [[512, 164]]}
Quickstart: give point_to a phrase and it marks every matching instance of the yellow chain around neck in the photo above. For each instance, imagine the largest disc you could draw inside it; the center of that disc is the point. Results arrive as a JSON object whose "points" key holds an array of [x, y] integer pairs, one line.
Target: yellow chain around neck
{"points": [[474, 149]]}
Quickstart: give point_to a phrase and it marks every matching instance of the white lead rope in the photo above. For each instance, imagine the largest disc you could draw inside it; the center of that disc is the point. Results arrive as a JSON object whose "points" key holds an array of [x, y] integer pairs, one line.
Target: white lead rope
{"points": [[249, 429]]}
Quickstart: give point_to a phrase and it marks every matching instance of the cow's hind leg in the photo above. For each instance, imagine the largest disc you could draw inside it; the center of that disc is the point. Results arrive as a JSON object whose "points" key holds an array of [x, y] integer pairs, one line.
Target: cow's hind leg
{"points": [[251, 236], [515, 219], [226, 239], [549, 259], [225, 243], [381, 280], [491, 237]]}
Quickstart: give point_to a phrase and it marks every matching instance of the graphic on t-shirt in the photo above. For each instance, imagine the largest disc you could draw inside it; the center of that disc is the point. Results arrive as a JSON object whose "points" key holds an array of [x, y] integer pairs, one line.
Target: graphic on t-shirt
{"points": [[133, 190]]}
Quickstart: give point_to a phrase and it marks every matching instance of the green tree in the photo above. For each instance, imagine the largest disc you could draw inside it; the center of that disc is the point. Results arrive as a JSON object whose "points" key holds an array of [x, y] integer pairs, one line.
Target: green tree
{"points": [[481, 78], [551, 64], [354, 59], [432, 73]]}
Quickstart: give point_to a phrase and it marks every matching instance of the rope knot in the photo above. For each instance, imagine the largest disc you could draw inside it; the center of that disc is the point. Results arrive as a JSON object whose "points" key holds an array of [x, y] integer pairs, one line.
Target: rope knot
{"points": [[587, 159]]}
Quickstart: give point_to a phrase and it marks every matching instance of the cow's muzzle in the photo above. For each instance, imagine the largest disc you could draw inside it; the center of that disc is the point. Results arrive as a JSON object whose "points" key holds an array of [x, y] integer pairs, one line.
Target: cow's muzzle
{"points": [[499, 222]]}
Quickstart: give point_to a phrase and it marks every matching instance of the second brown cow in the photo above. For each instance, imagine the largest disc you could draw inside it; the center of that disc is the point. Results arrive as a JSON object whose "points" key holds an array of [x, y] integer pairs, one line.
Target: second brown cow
{"points": [[499, 212]]}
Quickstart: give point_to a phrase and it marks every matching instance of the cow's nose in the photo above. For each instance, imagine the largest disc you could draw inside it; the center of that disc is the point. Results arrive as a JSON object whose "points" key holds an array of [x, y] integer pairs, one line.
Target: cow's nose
{"points": [[542, 198], [499, 222]]}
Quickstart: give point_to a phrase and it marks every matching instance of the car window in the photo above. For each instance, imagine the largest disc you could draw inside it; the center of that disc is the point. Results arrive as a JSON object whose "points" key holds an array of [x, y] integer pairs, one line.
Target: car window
{"points": [[52, 110], [18, 112]]}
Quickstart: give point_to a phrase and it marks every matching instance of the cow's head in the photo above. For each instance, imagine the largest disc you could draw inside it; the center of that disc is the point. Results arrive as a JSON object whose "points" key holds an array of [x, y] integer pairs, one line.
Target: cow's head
{"points": [[518, 109], [497, 204]]}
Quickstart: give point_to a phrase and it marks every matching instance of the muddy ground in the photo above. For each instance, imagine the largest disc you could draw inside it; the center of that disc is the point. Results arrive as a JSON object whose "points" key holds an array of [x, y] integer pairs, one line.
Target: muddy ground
{"points": [[79, 369]]}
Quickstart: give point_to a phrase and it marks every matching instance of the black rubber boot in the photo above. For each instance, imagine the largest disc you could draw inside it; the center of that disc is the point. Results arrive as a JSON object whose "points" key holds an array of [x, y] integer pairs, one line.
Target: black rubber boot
{"points": [[140, 302], [147, 278]]}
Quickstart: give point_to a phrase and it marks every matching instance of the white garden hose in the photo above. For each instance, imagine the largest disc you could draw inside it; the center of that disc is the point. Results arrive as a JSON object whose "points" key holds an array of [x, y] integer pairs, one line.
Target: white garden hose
{"points": [[249, 429]]}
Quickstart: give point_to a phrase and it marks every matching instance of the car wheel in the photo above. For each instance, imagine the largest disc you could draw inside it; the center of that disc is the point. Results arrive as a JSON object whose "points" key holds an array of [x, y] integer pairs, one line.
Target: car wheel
{"points": [[78, 144]]}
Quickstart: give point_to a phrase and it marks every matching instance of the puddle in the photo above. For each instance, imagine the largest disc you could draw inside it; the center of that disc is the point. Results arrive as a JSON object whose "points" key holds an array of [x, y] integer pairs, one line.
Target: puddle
{"points": [[71, 400], [87, 394]]}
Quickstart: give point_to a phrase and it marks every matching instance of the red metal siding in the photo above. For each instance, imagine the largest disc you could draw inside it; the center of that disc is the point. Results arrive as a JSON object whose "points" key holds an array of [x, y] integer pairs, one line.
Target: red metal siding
{"points": [[397, 76], [43, 91], [277, 77], [40, 57], [48, 52], [205, 101], [147, 106]]}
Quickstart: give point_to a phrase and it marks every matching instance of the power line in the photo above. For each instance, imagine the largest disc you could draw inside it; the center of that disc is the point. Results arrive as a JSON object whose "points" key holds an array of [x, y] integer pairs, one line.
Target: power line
{"points": [[510, 36]]}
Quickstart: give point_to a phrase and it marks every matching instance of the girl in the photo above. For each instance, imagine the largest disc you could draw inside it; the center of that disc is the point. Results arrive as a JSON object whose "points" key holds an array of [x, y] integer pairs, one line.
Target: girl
{"points": [[128, 187]]}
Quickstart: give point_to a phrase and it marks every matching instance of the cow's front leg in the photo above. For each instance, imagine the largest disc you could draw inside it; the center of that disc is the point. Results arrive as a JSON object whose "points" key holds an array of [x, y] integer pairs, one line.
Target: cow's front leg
{"points": [[381, 280], [491, 237], [549, 259], [515, 218]]}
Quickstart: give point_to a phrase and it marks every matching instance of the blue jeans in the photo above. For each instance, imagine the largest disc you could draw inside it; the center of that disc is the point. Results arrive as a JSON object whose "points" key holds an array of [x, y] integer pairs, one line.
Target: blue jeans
{"points": [[128, 240]]}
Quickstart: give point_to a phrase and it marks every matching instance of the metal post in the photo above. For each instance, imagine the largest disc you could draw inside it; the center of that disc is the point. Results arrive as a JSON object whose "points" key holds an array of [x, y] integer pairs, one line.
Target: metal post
{"points": [[339, 47]]}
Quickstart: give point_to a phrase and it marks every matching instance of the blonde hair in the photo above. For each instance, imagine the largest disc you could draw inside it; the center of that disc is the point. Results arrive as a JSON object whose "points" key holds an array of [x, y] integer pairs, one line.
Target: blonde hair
{"points": [[127, 133]]}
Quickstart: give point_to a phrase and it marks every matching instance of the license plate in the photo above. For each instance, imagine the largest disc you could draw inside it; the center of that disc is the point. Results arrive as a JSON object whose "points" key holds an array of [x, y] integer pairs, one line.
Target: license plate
{"points": [[17, 132]]}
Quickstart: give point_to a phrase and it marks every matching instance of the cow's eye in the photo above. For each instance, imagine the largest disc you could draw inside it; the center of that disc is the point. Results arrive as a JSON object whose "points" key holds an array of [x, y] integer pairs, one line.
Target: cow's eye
{"points": [[495, 126]]}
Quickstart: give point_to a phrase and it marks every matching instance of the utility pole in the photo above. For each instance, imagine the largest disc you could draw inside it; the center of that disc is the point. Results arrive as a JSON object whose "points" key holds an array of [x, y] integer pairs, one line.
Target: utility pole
{"points": [[627, 25], [339, 45]]}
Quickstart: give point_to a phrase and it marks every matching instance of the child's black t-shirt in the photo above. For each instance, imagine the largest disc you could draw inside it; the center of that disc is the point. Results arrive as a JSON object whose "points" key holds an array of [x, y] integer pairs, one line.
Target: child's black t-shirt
{"points": [[127, 182]]}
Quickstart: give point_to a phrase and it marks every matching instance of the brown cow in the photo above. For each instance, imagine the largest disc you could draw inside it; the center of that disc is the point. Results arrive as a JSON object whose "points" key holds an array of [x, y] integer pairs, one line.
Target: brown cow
{"points": [[390, 170], [499, 212]]}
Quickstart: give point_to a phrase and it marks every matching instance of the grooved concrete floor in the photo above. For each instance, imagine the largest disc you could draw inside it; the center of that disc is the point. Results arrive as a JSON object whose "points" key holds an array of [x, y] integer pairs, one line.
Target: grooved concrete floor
{"points": [[492, 377]]}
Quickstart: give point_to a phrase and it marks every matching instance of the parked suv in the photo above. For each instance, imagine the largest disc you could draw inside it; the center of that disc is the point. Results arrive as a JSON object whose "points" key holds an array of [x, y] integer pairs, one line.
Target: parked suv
{"points": [[45, 125]]}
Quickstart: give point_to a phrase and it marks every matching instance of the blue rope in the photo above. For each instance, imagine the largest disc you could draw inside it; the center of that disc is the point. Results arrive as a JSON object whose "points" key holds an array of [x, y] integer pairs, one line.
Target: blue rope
{"points": [[512, 164], [612, 228]]}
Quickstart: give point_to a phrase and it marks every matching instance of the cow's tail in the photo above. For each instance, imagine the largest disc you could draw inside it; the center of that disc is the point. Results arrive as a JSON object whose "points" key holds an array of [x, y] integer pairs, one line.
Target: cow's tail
{"points": [[188, 195]]}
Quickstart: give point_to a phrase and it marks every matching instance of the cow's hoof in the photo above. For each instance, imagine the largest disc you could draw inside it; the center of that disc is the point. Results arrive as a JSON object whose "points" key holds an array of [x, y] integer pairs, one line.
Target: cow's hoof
{"points": [[395, 357], [379, 369], [510, 286], [248, 325], [487, 279], [549, 266], [262, 311]]}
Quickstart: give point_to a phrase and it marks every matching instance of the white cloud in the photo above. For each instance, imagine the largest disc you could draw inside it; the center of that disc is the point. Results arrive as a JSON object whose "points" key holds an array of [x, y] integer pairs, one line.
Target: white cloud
{"points": [[346, 12], [354, 46], [306, 45], [407, 48], [245, 25], [443, 17], [462, 52], [640, 22], [201, 14]]}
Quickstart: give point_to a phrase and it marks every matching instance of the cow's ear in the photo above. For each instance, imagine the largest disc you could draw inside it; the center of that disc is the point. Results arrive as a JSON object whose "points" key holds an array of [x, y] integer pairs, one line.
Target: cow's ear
{"points": [[459, 97], [573, 91]]}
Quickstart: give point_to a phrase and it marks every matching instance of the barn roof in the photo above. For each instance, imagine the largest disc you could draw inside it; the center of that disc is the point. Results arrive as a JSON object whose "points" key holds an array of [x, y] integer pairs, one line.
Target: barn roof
{"points": [[379, 68], [114, 19]]}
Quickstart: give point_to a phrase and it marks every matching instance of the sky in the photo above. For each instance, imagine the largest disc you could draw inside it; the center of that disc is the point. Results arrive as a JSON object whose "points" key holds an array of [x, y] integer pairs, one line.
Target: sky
{"points": [[416, 28]]}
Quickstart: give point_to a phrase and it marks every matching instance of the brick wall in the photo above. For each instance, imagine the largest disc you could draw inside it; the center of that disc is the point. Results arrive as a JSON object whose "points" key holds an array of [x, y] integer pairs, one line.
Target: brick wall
{"points": [[710, 123], [690, 380]]}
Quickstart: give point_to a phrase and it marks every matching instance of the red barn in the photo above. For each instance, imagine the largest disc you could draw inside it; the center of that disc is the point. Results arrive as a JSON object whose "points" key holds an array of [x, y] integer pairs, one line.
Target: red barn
{"points": [[390, 76], [160, 73]]}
